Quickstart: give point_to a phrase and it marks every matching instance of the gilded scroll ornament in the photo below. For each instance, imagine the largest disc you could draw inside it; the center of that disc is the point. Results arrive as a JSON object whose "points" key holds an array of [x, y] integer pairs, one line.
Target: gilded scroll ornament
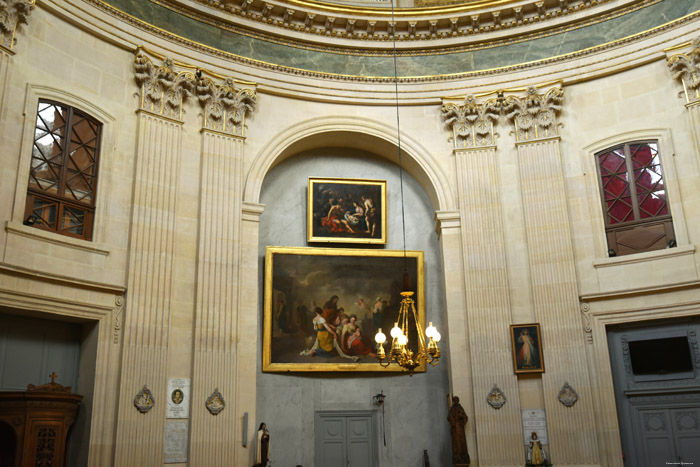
{"points": [[163, 89], [472, 123], [686, 68], [225, 105], [215, 402], [496, 398], [144, 400], [567, 395], [12, 14], [534, 115]]}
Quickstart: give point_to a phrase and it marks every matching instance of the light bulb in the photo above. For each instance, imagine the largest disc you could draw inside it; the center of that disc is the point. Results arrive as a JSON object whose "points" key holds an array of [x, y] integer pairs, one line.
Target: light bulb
{"points": [[403, 339], [436, 336], [395, 331], [431, 330], [380, 338]]}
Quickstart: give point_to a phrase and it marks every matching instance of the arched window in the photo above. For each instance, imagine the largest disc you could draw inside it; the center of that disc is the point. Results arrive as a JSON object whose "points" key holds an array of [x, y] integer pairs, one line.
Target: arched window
{"points": [[635, 207], [63, 172]]}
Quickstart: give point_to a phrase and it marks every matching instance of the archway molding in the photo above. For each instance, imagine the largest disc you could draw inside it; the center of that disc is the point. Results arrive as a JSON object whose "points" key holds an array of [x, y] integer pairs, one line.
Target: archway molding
{"points": [[351, 132]]}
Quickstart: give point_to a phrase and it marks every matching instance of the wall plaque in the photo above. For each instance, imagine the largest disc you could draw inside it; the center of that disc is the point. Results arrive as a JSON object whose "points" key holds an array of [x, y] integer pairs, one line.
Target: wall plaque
{"points": [[175, 446], [178, 398], [534, 420]]}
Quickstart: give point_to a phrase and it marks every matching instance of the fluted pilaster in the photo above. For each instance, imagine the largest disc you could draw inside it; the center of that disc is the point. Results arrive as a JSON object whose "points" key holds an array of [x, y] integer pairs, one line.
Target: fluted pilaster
{"points": [[488, 306], [216, 322], [147, 316], [686, 70], [572, 435]]}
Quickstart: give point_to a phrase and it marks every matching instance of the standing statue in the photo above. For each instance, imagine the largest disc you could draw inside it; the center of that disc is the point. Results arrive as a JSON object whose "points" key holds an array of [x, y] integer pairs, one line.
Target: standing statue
{"points": [[262, 453], [535, 452], [458, 421]]}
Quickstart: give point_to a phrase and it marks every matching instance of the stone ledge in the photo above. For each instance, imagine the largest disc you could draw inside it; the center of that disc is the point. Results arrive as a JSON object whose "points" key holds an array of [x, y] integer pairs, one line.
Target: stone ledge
{"points": [[31, 232], [643, 257]]}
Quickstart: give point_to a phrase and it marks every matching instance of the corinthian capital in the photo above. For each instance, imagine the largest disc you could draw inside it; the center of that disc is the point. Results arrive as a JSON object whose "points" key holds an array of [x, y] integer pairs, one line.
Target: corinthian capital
{"points": [[225, 105], [472, 123], [12, 14], [163, 89], [534, 115], [686, 69]]}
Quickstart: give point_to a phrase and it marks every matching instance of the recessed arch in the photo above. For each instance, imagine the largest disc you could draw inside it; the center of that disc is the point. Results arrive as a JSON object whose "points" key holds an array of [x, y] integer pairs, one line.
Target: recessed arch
{"points": [[358, 133]]}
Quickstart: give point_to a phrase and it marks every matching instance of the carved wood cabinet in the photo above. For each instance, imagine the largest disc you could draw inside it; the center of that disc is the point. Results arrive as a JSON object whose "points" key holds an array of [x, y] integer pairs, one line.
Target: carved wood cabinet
{"points": [[34, 426]]}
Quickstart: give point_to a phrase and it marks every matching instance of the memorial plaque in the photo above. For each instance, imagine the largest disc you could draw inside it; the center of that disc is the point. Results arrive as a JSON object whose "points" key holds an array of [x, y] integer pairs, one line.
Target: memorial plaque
{"points": [[534, 420], [178, 398], [175, 446]]}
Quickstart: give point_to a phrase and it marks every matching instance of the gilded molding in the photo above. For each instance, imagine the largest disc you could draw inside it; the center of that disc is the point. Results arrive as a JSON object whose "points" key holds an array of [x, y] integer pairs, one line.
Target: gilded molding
{"points": [[686, 68], [225, 105], [534, 115], [163, 90], [13, 13], [472, 123]]}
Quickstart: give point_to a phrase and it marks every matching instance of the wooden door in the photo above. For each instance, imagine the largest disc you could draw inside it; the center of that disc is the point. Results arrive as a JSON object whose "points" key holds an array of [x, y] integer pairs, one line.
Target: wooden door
{"points": [[345, 439]]}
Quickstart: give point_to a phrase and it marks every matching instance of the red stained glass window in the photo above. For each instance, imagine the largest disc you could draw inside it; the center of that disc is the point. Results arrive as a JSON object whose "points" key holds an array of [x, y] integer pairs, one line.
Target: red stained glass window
{"points": [[63, 171]]}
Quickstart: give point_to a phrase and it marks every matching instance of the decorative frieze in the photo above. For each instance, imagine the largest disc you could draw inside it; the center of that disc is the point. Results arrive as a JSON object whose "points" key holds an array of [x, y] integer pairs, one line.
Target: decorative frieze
{"points": [[686, 68], [163, 89], [12, 14], [225, 105], [535, 114], [471, 122]]}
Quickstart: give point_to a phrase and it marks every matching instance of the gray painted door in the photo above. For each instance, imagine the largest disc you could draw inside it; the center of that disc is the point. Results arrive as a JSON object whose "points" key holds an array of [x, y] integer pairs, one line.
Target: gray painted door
{"points": [[658, 411], [345, 439]]}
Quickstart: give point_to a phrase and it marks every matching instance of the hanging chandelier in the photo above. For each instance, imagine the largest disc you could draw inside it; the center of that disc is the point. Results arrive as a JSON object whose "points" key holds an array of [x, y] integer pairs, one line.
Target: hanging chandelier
{"points": [[404, 354]]}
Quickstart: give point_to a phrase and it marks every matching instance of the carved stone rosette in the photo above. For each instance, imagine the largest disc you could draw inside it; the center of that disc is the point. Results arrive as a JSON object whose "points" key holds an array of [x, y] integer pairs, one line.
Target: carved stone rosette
{"points": [[496, 398], [567, 395], [12, 14], [535, 114], [163, 89], [686, 69], [471, 123], [225, 105], [215, 402], [144, 400]]}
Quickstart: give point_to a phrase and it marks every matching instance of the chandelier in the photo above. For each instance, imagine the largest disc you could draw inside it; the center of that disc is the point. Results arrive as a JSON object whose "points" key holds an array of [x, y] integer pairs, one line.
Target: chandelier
{"points": [[406, 356]]}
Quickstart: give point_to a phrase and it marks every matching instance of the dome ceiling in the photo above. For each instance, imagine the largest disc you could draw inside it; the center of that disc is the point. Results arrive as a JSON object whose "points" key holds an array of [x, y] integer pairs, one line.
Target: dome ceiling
{"points": [[443, 42]]}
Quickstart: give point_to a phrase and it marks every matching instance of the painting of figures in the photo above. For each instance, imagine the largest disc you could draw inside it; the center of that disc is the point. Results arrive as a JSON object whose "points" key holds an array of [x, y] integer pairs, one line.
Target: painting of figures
{"points": [[527, 348], [323, 306], [346, 211]]}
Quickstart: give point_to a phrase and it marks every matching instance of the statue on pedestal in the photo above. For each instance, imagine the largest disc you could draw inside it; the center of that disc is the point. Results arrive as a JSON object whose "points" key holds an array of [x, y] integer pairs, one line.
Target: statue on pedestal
{"points": [[458, 421], [262, 452], [536, 456]]}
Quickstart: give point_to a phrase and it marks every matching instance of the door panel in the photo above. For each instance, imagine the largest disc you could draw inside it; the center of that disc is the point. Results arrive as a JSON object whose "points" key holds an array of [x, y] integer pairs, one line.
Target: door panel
{"points": [[345, 440], [687, 428]]}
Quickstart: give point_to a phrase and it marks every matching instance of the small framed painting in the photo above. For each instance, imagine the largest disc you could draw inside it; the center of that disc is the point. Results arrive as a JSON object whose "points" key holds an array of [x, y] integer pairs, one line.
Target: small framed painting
{"points": [[346, 211], [526, 342]]}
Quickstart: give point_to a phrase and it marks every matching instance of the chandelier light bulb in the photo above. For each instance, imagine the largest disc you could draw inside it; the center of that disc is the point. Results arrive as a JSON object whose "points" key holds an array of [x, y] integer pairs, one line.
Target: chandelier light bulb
{"points": [[436, 336], [430, 331], [395, 331], [380, 338], [403, 340]]}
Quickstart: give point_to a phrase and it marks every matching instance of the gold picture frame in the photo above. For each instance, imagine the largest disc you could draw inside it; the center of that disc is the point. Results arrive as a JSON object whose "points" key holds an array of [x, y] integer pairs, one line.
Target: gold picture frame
{"points": [[526, 343], [366, 285], [343, 210]]}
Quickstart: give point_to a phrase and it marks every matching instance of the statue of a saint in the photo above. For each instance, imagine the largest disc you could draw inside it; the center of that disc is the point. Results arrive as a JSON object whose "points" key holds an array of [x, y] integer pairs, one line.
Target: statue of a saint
{"points": [[458, 421], [262, 454], [535, 452]]}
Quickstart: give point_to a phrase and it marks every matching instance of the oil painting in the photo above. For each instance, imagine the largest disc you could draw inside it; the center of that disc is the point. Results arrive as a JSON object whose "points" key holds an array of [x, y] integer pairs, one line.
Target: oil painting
{"points": [[346, 211], [323, 306], [526, 343]]}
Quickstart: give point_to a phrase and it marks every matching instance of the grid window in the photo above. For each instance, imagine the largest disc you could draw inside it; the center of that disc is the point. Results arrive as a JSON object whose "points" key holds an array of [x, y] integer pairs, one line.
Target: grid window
{"points": [[637, 216], [63, 172]]}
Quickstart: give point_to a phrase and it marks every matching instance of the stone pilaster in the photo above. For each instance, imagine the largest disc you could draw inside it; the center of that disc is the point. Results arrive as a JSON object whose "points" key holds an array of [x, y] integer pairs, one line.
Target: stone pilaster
{"points": [[572, 432], [153, 226], [13, 13], [486, 279], [686, 69], [217, 356]]}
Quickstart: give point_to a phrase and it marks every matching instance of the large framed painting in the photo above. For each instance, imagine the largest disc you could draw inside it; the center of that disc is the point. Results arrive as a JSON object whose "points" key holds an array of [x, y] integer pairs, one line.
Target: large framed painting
{"points": [[346, 211], [323, 306], [526, 342]]}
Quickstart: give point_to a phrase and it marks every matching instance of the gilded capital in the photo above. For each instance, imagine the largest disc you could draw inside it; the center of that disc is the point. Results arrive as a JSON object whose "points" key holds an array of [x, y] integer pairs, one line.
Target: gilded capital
{"points": [[225, 104], [686, 69], [12, 14], [162, 89], [535, 114], [471, 122]]}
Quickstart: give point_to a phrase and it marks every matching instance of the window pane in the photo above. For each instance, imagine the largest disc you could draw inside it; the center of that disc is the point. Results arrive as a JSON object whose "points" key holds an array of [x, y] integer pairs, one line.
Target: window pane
{"points": [[615, 183], [45, 212], [73, 220], [620, 210], [81, 160], [47, 152]]}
